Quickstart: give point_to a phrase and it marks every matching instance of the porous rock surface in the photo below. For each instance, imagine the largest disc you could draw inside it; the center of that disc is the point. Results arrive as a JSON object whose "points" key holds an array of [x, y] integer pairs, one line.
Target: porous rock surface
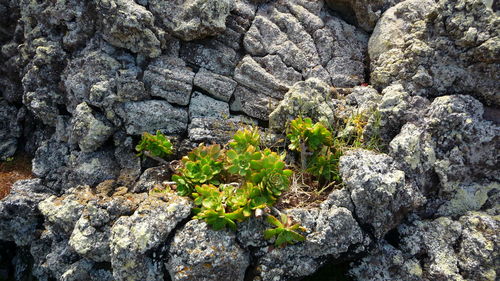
{"points": [[81, 80]]}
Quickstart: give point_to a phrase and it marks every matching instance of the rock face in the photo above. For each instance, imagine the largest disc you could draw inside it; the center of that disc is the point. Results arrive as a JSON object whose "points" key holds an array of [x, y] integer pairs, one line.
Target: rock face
{"points": [[198, 252], [80, 81], [437, 49]]}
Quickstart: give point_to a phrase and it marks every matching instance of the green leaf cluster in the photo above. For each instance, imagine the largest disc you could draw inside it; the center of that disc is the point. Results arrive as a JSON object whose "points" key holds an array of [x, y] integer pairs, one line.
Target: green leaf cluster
{"points": [[158, 145], [304, 132], [203, 165], [227, 186], [284, 231]]}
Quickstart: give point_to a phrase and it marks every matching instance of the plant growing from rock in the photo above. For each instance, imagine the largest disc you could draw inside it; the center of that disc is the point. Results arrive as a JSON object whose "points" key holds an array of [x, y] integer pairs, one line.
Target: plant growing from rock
{"points": [[155, 145], [284, 232]]}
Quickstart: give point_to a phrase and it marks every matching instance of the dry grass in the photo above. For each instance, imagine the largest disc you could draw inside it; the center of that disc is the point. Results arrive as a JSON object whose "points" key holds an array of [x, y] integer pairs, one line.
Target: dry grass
{"points": [[11, 171], [304, 192]]}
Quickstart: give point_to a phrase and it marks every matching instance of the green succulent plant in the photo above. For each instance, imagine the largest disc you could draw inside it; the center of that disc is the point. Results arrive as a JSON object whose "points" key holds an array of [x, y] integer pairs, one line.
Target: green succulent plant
{"points": [[242, 139], [284, 231], [302, 132], [157, 145], [239, 162], [202, 165], [270, 172], [325, 164]]}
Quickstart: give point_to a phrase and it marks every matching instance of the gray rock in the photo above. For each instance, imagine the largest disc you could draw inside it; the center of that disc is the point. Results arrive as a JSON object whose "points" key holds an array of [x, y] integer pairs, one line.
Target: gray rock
{"points": [[252, 103], [9, 130], [449, 49], [152, 115], [169, 78], [216, 130], [331, 232], [191, 20], [267, 75], [309, 41], [50, 157], [379, 191], [150, 178], [132, 237], [89, 130], [126, 24], [19, 214], [395, 109], [449, 152], [92, 168], [211, 55], [218, 86], [311, 98], [205, 106], [381, 263], [200, 253], [363, 13]]}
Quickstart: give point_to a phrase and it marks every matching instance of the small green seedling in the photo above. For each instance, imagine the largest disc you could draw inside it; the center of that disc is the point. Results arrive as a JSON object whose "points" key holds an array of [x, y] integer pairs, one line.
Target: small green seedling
{"points": [[157, 145], [284, 232]]}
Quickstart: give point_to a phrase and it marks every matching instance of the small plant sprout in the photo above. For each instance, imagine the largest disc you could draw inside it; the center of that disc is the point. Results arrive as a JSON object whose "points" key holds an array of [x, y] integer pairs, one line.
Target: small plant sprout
{"points": [[155, 145], [284, 232]]}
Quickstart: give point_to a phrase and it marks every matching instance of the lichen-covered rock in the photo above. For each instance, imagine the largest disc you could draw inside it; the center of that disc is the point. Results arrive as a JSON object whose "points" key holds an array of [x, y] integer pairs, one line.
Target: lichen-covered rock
{"points": [[378, 189], [89, 130], [449, 152], [126, 24], [9, 130], [169, 78], [19, 214], [204, 106], [363, 13], [386, 262], [216, 129], [308, 40], [218, 86], [312, 98], [433, 47], [152, 115], [332, 232], [134, 236], [200, 253], [193, 19], [92, 168], [395, 109]]}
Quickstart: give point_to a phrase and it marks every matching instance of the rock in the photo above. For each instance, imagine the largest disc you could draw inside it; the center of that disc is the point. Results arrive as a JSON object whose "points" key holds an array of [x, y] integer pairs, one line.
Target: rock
{"points": [[380, 265], [211, 55], [89, 130], [50, 160], [217, 86], [449, 50], [92, 168], [151, 178], [311, 98], [169, 78], [253, 104], [63, 212], [89, 75], [132, 238], [267, 75], [198, 251], [395, 109], [379, 191], [205, 106], [91, 236], [191, 20], [152, 115], [331, 233], [362, 13], [309, 41], [449, 152], [19, 214], [126, 24], [9, 130]]}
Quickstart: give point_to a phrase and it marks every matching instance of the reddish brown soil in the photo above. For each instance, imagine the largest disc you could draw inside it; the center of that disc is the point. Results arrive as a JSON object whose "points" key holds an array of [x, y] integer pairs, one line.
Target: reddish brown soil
{"points": [[12, 171]]}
